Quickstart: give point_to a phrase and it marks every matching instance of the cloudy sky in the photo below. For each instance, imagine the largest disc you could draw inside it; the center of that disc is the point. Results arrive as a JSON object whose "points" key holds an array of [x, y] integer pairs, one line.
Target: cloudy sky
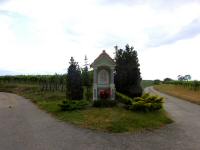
{"points": [[40, 36]]}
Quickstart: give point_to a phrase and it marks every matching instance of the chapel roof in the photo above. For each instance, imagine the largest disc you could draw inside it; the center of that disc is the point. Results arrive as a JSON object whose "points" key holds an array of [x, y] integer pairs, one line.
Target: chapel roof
{"points": [[103, 55]]}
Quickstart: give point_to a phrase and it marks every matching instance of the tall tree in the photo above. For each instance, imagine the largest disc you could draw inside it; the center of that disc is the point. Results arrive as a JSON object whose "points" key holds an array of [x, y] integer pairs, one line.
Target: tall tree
{"points": [[74, 82], [127, 75], [85, 74], [86, 80]]}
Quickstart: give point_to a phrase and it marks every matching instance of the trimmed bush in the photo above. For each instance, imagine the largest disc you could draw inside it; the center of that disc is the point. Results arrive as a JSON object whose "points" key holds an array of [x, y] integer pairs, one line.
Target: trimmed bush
{"points": [[123, 98], [137, 99], [69, 105], [104, 103], [146, 103], [137, 106], [145, 95], [154, 99]]}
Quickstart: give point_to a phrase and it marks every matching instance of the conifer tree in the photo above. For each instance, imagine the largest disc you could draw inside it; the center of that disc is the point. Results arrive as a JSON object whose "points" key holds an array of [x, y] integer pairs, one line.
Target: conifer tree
{"points": [[86, 80], [127, 75], [74, 82]]}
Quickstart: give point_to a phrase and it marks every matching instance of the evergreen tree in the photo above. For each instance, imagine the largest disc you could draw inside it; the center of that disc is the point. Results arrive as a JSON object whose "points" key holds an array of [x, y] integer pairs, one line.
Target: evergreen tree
{"points": [[74, 82], [127, 75], [86, 80], [85, 74]]}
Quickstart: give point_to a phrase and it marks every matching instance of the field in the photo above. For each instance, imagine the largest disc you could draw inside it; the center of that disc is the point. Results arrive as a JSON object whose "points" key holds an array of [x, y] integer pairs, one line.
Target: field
{"points": [[146, 83], [180, 91], [115, 119]]}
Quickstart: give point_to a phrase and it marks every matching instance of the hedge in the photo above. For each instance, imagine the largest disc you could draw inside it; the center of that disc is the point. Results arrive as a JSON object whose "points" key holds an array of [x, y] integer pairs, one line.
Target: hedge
{"points": [[146, 103], [69, 105], [123, 98]]}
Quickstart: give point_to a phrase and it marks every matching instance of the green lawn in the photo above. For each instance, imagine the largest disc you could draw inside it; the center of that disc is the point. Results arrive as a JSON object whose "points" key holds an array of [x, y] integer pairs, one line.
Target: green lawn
{"points": [[115, 119], [109, 119]]}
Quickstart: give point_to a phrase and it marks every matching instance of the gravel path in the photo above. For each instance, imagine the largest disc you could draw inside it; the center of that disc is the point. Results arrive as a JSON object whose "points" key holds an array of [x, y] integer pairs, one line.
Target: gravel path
{"points": [[25, 127]]}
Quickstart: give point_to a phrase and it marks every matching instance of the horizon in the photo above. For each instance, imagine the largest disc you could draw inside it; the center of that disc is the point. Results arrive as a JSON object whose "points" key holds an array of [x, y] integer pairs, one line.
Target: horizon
{"points": [[40, 36]]}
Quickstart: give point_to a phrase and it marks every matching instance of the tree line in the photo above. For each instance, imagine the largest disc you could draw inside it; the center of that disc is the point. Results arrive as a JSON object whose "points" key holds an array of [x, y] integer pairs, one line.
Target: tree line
{"points": [[183, 80]]}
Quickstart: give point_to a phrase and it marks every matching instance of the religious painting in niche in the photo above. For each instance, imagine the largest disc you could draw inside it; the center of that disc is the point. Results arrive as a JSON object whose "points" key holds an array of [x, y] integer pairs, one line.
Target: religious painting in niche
{"points": [[103, 77]]}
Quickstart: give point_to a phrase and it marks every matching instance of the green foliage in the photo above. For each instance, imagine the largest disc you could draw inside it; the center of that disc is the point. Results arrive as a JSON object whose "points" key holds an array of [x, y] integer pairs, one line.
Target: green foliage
{"points": [[86, 77], [137, 99], [166, 80], [138, 106], [127, 76], [123, 98], [74, 82], [144, 96], [69, 105], [86, 81], [47, 82], [146, 103], [88, 93], [146, 83], [193, 85], [157, 81], [184, 78], [104, 103]]}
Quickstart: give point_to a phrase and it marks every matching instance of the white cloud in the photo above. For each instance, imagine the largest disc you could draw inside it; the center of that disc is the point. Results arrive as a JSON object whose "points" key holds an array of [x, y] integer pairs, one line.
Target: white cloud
{"points": [[51, 31], [181, 58]]}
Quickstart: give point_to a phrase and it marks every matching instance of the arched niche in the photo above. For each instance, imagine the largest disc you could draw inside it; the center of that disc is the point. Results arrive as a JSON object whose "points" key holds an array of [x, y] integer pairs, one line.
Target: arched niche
{"points": [[103, 77]]}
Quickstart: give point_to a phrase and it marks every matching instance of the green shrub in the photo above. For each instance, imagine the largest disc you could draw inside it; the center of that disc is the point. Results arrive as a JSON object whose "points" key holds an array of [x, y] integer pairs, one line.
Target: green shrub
{"points": [[145, 95], [69, 105], [104, 103], [156, 106], [146, 103], [138, 99], [137, 106], [123, 98], [154, 99]]}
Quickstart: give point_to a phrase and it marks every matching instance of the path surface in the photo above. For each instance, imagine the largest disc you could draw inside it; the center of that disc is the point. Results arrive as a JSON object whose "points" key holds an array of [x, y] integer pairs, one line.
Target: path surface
{"points": [[25, 127]]}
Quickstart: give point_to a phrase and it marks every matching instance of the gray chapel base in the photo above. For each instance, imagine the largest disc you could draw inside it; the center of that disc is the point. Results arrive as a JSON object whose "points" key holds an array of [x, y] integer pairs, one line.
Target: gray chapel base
{"points": [[103, 78]]}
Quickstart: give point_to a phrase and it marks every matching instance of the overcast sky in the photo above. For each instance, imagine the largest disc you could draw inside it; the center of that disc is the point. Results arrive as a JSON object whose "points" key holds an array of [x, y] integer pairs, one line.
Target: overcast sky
{"points": [[40, 36]]}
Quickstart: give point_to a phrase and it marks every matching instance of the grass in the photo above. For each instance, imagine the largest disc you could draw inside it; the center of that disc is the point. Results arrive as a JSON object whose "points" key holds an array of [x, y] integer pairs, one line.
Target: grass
{"points": [[180, 92], [147, 83], [109, 119], [115, 119]]}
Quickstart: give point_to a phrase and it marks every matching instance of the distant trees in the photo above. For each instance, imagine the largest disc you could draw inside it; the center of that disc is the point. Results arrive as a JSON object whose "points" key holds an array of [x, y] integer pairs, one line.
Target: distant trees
{"points": [[127, 75], [74, 81], [184, 78], [166, 80], [157, 81]]}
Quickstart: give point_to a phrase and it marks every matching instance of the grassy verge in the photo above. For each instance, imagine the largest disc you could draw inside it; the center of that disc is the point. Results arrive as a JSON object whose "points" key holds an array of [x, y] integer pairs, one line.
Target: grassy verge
{"points": [[180, 92], [115, 119], [147, 83]]}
